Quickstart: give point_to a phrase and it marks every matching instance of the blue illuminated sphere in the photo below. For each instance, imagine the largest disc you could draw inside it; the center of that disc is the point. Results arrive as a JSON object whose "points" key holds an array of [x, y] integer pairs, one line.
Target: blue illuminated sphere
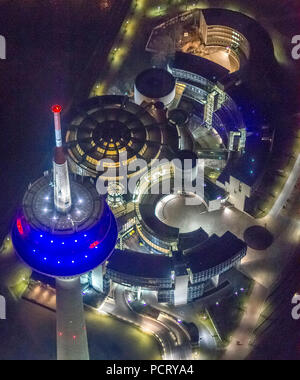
{"points": [[67, 245]]}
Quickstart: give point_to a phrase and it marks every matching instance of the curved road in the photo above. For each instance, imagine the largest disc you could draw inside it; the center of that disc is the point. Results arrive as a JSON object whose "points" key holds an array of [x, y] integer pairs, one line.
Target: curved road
{"points": [[174, 339], [189, 313]]}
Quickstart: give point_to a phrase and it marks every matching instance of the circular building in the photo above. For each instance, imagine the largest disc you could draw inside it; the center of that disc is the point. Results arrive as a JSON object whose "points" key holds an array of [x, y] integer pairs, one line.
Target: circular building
{"points": [[155, 85], [107, 135], [64, 245]]}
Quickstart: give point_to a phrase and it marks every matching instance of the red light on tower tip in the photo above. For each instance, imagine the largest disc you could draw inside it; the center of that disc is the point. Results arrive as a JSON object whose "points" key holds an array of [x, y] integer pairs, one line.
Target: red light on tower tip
{"points": [[56, 109]]}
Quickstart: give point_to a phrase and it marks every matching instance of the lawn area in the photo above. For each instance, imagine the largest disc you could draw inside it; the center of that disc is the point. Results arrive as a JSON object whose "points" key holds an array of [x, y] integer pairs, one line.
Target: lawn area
{"points": [[111, 339]]}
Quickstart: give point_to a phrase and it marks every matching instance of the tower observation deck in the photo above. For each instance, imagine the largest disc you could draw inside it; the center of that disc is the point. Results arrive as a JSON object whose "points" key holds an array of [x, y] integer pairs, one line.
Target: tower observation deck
{"points": [[63, 230]]}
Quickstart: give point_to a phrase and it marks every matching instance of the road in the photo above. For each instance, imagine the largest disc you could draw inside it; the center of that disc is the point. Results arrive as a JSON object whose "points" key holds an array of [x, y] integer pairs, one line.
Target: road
{"points": [[269, 268], [173, 337], [240, 347], [264, 267], [188, 313], [273, 342], [120, 51], [99, 59], [287, 190]]}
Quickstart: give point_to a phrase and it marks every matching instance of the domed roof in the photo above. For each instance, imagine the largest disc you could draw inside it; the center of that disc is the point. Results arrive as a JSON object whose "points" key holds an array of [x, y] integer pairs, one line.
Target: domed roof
{"points": [[64, 245], [155, 83]]}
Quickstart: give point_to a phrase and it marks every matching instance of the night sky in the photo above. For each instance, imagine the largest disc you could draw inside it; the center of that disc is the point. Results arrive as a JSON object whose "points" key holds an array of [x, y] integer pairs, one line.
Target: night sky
{"points": [[49, 45]]}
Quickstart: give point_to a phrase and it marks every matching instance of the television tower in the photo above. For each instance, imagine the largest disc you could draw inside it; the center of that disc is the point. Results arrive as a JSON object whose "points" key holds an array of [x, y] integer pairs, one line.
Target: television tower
{"points": [[64, 230], [62, 190]]}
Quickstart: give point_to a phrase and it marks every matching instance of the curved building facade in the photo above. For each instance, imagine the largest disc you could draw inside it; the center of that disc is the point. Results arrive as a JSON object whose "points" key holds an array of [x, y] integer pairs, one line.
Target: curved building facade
{"points": [[157, 221], [167, 121], [185, 277]]}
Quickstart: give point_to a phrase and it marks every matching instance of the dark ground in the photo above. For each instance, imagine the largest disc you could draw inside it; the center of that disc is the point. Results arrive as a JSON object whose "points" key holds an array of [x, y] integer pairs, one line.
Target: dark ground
{"points": [[49, 47], [278, 335]]}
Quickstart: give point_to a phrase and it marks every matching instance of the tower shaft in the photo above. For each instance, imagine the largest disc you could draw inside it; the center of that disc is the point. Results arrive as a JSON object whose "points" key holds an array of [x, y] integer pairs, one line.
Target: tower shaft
{"points": [[72, 343], [62, 190]]}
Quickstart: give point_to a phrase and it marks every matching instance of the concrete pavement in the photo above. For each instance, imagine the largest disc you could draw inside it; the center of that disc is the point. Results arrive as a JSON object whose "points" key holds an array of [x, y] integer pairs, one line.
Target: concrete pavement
{"points": [[265, 267], [240, 347]]}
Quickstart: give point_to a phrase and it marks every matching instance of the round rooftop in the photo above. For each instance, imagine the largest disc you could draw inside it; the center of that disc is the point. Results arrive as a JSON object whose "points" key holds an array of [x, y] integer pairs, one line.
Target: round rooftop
{"points": [[38, 207], [178, 117], [155, 83], [64, 245], [110, 132]]}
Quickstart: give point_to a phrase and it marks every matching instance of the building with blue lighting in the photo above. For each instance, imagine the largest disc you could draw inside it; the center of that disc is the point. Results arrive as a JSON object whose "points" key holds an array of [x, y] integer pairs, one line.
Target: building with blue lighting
{"points": [[64, 245]]}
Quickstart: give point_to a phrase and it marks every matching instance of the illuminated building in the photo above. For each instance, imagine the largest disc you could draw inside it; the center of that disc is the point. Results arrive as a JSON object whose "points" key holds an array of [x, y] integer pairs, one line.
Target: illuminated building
{"points": [[64, 230], [115, 193], [202, 34], [183, 278], [173, 114], [107, 128], [219, 55], [101, 129]]}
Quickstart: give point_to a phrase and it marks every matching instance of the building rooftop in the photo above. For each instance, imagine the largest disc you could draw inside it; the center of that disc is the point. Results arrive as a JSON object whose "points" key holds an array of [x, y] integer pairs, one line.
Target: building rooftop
{"points": [[200, 66], [214, 252], [248, 168], [192, 239], [262, 49], [149, 219], [109, 130], [140, 264], [207, 254], [155, 83]]}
